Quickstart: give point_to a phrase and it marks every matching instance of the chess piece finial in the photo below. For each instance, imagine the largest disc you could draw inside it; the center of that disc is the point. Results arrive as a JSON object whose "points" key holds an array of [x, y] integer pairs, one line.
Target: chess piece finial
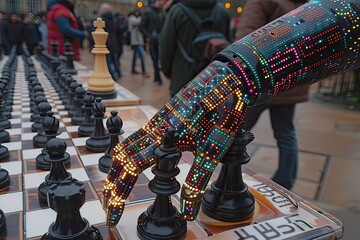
{"points": [[101, 83]]}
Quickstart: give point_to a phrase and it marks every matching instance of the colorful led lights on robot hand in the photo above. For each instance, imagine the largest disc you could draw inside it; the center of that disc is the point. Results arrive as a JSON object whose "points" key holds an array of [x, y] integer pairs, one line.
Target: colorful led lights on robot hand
{"points": [[314, 41]]}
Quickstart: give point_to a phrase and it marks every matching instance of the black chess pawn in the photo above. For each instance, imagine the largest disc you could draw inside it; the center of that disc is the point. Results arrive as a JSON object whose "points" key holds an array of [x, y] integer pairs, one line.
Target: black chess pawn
{"points": [[40, 140], [114, 125], [69, 58], [4, 178], [162, 220], [86, 128], [4, 136], [66, 199], [98, 141], [71, 106], [4, 122], [228, 199], [51, 130], [35, 116], [2, 223], [79, 115], [57, 156]]}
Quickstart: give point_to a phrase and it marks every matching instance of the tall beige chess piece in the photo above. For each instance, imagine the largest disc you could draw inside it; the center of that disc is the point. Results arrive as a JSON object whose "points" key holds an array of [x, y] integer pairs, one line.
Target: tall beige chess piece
{"points": [[100, 83]]}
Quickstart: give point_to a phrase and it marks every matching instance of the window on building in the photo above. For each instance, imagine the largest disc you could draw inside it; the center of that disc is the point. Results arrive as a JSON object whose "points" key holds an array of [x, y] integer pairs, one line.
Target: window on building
{"points": [[12, 6], [34, 6]]}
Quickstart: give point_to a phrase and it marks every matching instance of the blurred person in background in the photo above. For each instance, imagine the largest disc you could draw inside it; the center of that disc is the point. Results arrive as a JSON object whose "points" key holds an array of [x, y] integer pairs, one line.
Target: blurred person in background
{"points": [[15, 32], [43, 31], [32, 34], [151, 24], [63, 24], [3, 39], [137, 42], [121, 29], [106, 14]]}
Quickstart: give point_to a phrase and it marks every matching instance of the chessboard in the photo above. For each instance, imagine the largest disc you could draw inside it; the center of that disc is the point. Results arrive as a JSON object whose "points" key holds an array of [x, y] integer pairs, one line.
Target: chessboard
{"points": [[278, 214]]}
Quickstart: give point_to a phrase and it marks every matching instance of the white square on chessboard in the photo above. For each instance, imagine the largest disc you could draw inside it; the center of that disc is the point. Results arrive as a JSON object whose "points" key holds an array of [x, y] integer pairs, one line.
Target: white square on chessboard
{"points": [[33, 180], [63, 113], [65, 120], [26, 115], [72, 128], [33, 153], [14, 131], [130, 125], [13, 145], [30, 136], [16, 202], [80, 141], [38, 222], [91, 159], [13, 168], [15, 121]]}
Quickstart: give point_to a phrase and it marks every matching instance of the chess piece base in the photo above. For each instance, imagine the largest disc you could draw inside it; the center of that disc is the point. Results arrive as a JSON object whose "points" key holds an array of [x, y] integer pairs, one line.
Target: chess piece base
{"points": [[77, 120], [228, 206], [2, 222], [4, 152], [42, 164], [39, 141], [105, 163], [97, 145], [5, 124], [156, 228], [86, 130], [105, 95], [4, 178], [89, 233], [4, 136]]}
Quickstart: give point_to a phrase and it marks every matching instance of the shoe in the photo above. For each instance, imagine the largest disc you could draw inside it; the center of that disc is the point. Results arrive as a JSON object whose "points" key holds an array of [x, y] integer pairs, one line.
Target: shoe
{"points": [[135, 72], [146, 75]]}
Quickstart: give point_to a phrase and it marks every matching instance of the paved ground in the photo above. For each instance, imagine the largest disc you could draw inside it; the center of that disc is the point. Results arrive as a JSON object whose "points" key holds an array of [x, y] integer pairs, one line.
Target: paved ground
{"points": [[328, 137]]}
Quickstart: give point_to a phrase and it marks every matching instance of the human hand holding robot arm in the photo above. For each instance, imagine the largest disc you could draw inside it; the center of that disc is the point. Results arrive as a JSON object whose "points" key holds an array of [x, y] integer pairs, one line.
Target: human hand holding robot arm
{"points": [[315, 40]]}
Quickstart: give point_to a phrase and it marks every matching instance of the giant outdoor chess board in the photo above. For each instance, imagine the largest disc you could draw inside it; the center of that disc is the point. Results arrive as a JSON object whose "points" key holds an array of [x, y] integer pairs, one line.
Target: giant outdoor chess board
{"points": [[278, 213]]}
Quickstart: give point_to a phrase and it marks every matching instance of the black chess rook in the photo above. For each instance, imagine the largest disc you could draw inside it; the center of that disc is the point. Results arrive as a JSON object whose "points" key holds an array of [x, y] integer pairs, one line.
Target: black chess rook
{"points": [[162, 220], [66, 199]]}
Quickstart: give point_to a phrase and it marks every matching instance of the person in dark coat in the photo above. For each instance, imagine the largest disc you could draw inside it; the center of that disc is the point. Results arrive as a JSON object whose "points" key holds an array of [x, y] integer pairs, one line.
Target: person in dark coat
{"points": [[121, 29], [178, 27], [282, 109], [15, 32], [32, 34], [151, 25], [3, 39], [111, 42]]}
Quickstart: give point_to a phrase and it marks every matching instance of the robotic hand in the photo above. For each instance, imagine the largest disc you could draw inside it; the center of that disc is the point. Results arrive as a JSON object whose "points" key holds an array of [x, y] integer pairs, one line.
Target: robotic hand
{"points": [[316, 40]]}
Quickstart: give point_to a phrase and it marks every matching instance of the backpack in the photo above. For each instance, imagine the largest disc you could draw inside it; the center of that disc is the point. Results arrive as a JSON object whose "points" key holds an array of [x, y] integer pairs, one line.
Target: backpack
{"points": [[208, 40]]}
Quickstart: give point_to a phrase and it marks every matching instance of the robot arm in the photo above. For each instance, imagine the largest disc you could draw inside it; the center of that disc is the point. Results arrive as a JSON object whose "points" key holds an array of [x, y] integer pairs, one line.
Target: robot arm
{"points": [[314, 41]]}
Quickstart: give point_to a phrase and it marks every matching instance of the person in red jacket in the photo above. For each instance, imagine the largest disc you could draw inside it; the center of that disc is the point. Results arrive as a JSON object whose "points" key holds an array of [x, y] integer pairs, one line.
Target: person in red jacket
{"points": [[62, 24]]}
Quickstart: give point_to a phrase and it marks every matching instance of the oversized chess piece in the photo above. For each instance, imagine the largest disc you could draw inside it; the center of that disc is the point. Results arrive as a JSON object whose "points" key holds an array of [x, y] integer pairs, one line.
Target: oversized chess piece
{"points": [[40, 140], [57, 155], [4, 178], [66, 199], [2, 223], [98, 141], [51, 130], [114, 125], [4, 136], [162, 220], [86, 128], [228, 199], [69, 58], [101, 83], [4, 152]]}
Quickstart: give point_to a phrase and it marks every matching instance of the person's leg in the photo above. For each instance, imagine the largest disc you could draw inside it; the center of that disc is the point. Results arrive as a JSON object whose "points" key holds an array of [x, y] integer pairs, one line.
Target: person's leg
{"points": [[142, 59], [135, 54], [117, 65], [110, 63], [285, 134], [154, 53]]}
